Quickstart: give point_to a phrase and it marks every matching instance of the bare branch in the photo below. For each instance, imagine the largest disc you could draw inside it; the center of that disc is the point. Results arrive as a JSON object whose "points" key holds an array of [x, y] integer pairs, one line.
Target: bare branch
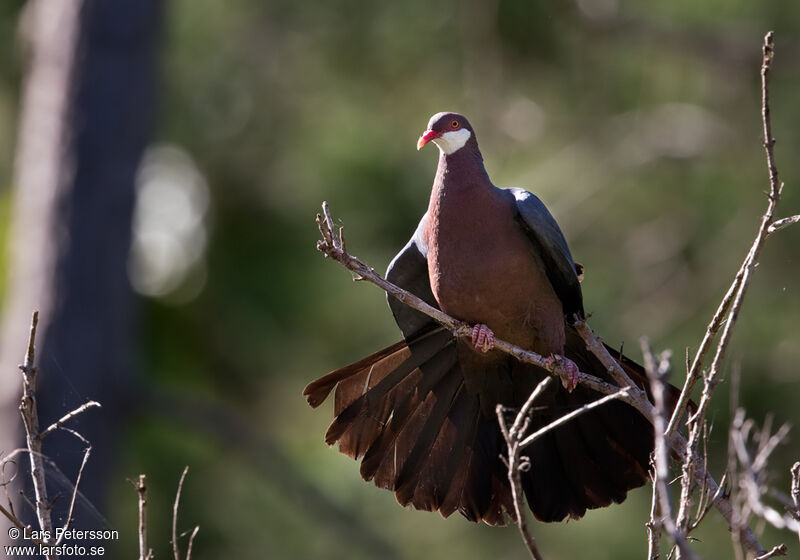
{"points": [[656, 377], [13, 518], [657, 373], [522, 416], [191, 542], [77, 435], [18, 524], [709, 504], [637, 397], [66, 418], [778, 225], [175, 549], [141, 489], [779, 550], [68, 522], [695, 371], [654, 525], [513, 465], [30, 420], [795, 491], [768, 54], [572, 415], [753, 473]]}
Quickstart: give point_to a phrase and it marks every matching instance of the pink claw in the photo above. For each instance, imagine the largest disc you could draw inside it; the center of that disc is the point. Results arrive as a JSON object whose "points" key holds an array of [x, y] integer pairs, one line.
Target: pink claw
{"points": [[482, 338], [567, 366]]}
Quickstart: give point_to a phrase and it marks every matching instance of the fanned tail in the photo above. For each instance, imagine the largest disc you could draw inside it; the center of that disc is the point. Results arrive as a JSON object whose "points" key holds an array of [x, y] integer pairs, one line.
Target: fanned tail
{"points": [[421, 427]]}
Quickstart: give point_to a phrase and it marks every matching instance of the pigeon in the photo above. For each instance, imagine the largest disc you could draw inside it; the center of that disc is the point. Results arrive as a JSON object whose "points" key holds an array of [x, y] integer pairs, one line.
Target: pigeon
{"points": [[420, 414]]}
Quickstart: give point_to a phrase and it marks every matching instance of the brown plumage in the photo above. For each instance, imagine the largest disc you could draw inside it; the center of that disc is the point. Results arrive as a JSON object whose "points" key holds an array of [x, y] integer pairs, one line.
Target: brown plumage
{"points": [[420, 414]]}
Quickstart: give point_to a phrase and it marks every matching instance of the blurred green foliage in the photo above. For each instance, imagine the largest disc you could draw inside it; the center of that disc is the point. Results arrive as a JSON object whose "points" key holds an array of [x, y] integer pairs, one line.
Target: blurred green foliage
{"points": [[637, 123]]}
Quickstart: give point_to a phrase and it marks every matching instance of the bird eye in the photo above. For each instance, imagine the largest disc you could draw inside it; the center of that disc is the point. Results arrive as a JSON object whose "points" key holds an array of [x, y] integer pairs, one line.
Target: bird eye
{"points": [[454, 124]]}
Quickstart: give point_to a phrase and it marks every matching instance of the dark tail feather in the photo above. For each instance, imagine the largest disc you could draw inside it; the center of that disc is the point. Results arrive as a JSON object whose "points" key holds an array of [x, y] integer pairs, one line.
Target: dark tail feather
{"points": [[407, 411], [548, 491], [429, 473], [384, 388], [317, 391], [433, 486], [408, 407], [413, 447]]}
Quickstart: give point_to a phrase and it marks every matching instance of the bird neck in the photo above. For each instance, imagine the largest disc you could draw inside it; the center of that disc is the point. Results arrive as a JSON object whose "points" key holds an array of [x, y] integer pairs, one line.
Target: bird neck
{"points": [[460, 174], [461, 190]]}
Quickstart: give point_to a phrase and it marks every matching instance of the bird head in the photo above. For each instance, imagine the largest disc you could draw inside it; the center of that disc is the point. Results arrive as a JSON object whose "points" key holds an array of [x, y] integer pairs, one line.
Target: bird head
{"points": [[449, 131]]}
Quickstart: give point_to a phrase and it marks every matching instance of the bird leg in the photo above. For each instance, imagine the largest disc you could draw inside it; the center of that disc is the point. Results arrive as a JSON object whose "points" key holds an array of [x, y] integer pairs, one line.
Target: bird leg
{"points": [[566, 365], [482, 338]]}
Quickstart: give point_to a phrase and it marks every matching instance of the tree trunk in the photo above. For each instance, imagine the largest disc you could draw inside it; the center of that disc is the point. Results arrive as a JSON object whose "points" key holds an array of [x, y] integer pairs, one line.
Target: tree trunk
{"points": [[86, 115]]}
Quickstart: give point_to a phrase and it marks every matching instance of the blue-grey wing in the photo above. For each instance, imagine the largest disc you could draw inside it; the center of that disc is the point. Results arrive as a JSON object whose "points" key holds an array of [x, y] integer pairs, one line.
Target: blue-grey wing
{"points": [[549, 244], [409, 270]]}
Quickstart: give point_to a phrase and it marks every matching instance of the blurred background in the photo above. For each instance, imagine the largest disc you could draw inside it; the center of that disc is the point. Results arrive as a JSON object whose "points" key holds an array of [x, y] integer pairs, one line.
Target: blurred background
{"points": [[161, 164]]}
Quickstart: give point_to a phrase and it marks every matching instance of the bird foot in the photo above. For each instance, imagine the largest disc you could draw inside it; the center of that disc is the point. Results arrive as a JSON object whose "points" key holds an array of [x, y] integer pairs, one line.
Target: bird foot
{"points": [[482, 338], [567, 366]]}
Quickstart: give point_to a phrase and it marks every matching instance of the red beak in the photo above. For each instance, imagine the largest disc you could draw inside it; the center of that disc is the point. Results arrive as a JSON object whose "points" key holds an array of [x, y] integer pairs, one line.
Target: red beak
{"points": [[426, 137]]}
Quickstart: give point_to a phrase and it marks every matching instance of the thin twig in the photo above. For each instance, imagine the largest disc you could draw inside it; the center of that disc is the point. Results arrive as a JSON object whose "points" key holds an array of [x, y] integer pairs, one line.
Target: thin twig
{"points": [[30, 420], [708, 506], [13, 518], [77, 435], [521, 421], [657, 373], [637, 397], [191, 542], [767, 446], [694, 372], [6, 482], [141, 489], [752, 472], [514, 469], [795, 493], [778, 225], [740, 518], [654, 525], [175, 549], [66, 418], [701, 503], [656, 377], [779, 550], [572, 415], [18, 524], [68, 522]]}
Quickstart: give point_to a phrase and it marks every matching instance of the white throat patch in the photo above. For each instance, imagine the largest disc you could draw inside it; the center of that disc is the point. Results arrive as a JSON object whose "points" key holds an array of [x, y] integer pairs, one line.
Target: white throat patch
{"points": [[452, 141]]}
